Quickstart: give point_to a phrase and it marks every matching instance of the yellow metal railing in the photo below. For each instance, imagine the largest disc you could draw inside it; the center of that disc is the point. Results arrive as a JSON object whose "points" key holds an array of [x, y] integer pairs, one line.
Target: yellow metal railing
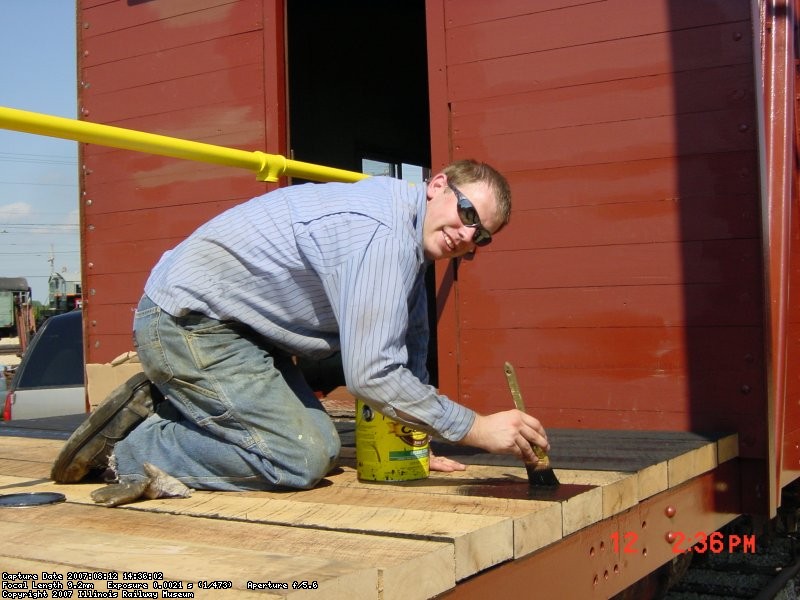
{"points": [[268, 167]]}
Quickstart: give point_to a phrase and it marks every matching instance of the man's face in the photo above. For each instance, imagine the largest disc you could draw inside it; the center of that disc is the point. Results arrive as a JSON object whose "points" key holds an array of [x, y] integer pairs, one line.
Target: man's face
{"points": [[444, 235]]}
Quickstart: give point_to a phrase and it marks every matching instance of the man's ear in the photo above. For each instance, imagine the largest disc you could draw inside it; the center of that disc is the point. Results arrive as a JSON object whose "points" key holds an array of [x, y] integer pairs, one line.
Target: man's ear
{"points": [[436, 183]]}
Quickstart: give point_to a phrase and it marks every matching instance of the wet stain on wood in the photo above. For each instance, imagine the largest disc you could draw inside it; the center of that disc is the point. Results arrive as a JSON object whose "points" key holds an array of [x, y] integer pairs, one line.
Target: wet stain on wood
{"points": [[522, 490]]}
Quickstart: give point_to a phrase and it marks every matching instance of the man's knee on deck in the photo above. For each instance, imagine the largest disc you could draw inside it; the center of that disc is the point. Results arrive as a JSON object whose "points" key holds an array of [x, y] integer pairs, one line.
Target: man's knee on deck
{"points": [[317, 457]]}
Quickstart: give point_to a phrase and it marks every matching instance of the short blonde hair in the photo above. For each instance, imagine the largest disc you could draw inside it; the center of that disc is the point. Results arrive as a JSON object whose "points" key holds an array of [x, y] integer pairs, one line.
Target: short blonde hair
{"points": [[471, 171]]}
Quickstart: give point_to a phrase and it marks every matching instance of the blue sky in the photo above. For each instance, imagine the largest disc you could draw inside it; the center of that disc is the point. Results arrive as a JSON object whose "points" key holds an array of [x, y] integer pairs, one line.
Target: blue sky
{"points": [[38, 175]]}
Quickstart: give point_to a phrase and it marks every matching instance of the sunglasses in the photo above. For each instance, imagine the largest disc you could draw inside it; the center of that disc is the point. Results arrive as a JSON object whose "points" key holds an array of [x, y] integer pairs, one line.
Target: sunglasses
{"points": [[469, 217]]}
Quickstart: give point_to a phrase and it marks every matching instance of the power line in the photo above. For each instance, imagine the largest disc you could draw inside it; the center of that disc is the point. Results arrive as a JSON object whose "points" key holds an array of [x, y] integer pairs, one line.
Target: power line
{"points": [[51, 159], [35, 244], [39, 253], [35, 183], [40, 159], [16, 225], [38, 230], [27, 213]]}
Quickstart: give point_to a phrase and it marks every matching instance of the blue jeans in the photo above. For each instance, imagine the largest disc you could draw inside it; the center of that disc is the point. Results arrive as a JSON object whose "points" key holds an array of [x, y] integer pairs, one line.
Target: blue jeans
{"points": [[239, 416]]}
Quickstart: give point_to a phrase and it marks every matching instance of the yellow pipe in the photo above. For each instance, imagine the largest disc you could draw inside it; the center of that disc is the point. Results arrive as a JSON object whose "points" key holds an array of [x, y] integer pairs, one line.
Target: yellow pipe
{"points": [[268, 167]]}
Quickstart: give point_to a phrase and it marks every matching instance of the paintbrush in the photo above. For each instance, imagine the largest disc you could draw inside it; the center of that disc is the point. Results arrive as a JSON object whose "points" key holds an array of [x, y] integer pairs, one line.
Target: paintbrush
{"points": [[540, 474]]}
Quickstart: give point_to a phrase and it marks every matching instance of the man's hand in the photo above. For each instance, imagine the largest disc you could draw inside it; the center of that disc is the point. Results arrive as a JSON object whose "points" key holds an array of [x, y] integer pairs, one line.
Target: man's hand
{"points": [[508, 432], [444, 464]]}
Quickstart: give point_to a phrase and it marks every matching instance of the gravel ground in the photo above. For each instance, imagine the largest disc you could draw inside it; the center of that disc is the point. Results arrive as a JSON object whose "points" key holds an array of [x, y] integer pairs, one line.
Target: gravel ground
{"points": [[746, 575]]}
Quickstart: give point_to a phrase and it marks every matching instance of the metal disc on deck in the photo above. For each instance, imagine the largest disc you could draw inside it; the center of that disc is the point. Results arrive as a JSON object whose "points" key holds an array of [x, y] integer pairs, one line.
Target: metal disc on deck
{"points": [[31, 499]]}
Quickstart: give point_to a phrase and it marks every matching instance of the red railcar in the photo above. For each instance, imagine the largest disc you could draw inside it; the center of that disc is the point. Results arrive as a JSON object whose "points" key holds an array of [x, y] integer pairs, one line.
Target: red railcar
{"points": [[648, 279]]}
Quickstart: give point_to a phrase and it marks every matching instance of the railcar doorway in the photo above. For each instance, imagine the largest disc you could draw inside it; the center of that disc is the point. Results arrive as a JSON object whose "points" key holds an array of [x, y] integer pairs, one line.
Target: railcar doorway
{"points": [[358, 82]]}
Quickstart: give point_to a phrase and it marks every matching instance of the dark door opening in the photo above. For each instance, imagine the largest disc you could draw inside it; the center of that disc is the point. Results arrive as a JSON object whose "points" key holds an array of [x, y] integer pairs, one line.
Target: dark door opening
{"points": [[358, 82]]}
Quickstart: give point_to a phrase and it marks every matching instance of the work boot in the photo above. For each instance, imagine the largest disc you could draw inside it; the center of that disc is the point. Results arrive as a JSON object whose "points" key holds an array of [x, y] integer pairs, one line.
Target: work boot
{"points": [[89, 447]]}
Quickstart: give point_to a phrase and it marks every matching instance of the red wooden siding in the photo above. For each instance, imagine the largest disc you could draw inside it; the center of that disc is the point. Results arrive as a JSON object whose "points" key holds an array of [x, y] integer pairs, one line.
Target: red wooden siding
{"points": [[203, 70], [790, 468], [627, 289], [779, 61]]}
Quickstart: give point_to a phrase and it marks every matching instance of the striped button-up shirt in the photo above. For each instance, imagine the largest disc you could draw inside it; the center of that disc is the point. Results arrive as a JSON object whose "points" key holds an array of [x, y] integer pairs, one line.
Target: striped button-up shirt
{"points": [[317, 268]]}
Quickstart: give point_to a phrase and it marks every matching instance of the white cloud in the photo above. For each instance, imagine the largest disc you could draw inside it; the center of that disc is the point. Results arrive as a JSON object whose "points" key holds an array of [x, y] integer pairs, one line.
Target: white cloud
{"points": [[15, 212]]}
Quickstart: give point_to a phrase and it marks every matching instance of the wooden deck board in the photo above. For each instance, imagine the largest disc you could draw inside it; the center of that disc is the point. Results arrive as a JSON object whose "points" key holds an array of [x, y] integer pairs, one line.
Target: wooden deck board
{"points": [[479, 540], [136, 550], [356, 539], [193, 549]]}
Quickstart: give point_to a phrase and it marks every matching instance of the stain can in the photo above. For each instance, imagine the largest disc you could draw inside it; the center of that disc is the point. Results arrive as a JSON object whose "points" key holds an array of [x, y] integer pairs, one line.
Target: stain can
{"points": [[387, 450]]}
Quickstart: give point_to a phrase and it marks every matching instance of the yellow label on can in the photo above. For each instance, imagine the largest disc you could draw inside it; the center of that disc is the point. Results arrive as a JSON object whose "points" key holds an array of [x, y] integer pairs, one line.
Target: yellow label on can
{"points": [[387, 450]]}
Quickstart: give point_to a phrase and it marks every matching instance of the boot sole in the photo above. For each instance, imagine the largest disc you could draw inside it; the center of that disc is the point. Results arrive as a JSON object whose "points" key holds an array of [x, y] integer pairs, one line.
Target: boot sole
{"points": [[106, 425]]}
